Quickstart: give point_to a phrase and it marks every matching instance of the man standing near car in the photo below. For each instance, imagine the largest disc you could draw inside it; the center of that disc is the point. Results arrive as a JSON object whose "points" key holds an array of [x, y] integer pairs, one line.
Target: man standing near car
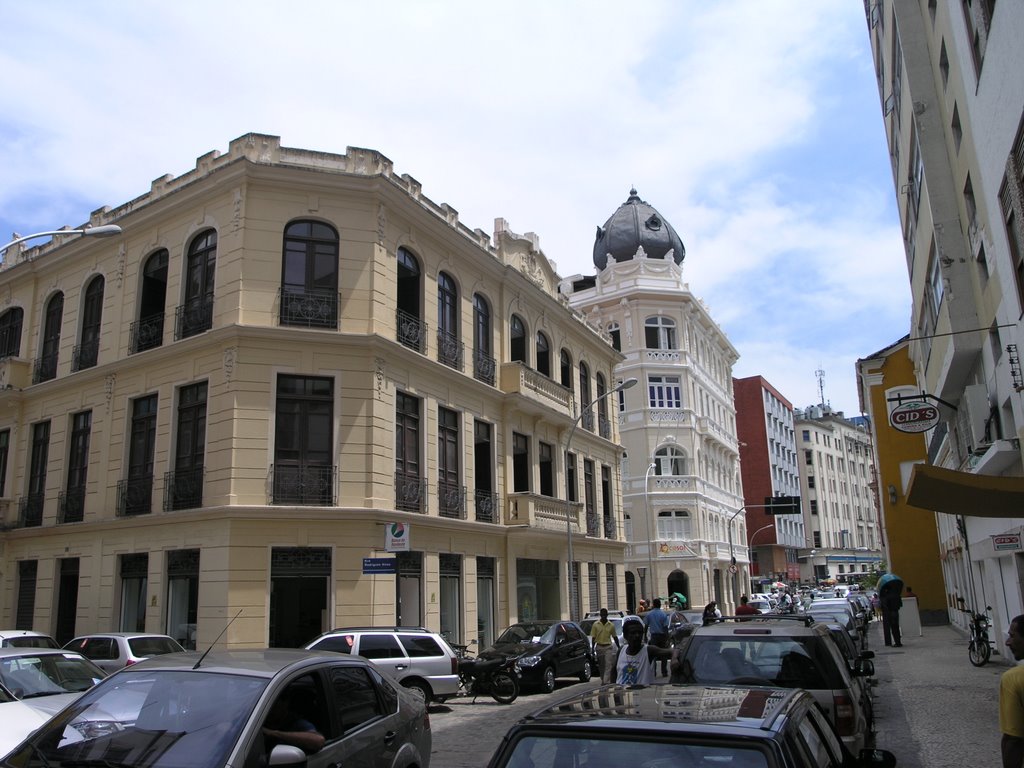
{"points": [[656, 621], [635, 661], [745, 608], [606, 643], [1011, 699]]}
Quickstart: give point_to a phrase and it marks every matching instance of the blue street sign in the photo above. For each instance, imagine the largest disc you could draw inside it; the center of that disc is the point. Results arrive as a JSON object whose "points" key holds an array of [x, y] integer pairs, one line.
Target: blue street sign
{"points": [[379, 565]]}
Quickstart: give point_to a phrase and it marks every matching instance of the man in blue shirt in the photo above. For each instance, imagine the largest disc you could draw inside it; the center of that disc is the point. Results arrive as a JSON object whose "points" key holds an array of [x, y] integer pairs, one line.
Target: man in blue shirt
{"points": [[656, 621]]}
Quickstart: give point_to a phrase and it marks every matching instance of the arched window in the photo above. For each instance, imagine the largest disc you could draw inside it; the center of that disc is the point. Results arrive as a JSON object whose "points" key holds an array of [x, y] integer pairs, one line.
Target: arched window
{"points": [[674, 525], [87, 352], [517, 345], [586, 400], [196, 314], [565, 361], [483, 360], [543, 355], [670, 460], [660, 333], [46, 366], [309, 275], [148, 331], [10, 332], [449, 348], [409, 320]]}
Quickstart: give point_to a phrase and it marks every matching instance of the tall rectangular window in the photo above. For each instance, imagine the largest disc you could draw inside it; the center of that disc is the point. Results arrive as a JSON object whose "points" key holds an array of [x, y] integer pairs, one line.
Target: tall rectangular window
{"points": [[449, 486], [409, 486], [608, 511], [590, 496], [303, 441], [520, 463], [664, 392], [73, 505], [5, 444], [184, 485], [183, 595], [24, 617], [611, 586], [134, 573], [136, 496], [571, 481], [485, 499], [32, 504], [546, 465]]}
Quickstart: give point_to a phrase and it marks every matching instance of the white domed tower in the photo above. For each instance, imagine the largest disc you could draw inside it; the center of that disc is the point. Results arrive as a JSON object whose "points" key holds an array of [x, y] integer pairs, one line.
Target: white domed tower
{"points": [[680, 475]]}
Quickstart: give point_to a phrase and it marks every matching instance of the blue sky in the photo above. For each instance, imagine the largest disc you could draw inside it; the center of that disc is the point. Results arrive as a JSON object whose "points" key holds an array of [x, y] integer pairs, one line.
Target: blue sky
{"points": [[753, 126]]}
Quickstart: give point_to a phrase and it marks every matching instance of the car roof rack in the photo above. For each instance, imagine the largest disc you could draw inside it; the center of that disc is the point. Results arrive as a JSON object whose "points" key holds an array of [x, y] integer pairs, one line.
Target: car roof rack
{"points": [[802, 618], [376, 629]]}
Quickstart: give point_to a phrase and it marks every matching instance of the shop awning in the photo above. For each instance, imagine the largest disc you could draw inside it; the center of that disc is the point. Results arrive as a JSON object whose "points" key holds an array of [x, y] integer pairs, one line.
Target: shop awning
{"points": [[965, 493]]}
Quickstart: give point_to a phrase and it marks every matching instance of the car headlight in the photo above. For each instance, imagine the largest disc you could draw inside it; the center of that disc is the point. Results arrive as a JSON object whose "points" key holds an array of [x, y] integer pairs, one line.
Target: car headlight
{"points": [[94, 729], [529, 661]]}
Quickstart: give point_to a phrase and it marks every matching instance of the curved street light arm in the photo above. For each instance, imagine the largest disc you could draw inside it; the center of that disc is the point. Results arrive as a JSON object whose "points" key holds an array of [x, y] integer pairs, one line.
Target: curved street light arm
{"points": [[106, 230]]}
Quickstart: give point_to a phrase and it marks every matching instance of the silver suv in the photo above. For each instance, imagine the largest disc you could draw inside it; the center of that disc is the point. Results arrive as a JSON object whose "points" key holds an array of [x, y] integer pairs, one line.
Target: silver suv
{"points": [[416, 657], [780, 651]]}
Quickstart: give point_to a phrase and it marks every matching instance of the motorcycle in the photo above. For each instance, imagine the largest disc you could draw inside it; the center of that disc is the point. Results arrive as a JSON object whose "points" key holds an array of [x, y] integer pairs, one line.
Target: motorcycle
{"points": [[498, 678]]}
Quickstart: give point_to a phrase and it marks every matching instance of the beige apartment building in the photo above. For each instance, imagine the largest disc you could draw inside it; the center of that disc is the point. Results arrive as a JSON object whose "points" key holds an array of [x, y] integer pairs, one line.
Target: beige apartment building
{"points": [[294, 394]]}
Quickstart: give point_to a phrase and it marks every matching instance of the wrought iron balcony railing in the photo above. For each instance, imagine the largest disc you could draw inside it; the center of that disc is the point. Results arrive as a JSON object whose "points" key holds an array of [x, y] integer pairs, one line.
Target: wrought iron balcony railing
{"points": [[147, 333], [592, 526], [85, 355], [308, 309], [30, 510], [609, 528], [605, 428], [193, 317], [450, 350], [410, 492], [412, 332], [484, 367], [44, 368], [451, 499], [486, 504], [311, 485], [183, 489], [135, 496], [71, 505]]}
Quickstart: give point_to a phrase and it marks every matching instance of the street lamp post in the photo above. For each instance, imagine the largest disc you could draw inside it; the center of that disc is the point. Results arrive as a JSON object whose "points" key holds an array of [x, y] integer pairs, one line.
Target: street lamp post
{"points": [[106, 230], [568, 502]]}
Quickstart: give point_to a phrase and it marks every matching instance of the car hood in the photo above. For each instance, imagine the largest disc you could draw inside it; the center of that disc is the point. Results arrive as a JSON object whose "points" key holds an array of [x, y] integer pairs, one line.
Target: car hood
{"points": [[513, 649], [51, 705], [19, 721]]}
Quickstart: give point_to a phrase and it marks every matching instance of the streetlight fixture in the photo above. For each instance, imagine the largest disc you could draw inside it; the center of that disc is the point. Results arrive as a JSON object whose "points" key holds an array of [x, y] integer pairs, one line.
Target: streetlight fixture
{"points": [[106, 230], [568, 503]]}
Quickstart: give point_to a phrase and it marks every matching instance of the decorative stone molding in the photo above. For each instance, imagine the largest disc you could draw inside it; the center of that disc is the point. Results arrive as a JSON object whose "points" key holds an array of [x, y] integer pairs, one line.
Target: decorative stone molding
{"points": [[230, 357]]}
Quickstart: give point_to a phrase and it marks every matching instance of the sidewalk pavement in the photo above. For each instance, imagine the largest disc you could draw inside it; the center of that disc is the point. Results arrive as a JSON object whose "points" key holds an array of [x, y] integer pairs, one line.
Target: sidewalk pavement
{"points": [[933, 709]]}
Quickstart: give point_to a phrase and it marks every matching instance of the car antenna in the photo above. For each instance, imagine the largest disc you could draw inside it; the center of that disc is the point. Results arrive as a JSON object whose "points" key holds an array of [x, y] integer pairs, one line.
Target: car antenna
{"points": [[218, 639]]}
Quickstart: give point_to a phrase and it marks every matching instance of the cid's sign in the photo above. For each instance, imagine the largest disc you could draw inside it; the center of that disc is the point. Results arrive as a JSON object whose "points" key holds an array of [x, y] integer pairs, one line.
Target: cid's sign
{"points": [[396, 539], [916, 416], [1006, 542]]}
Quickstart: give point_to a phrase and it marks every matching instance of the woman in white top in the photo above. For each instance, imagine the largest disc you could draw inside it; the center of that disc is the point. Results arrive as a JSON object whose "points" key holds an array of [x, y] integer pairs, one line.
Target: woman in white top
{"points": [[635, 662]]}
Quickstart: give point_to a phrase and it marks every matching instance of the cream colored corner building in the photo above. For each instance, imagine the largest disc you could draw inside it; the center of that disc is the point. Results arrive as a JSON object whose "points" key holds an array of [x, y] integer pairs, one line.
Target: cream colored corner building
{"points": [[288, 360]]}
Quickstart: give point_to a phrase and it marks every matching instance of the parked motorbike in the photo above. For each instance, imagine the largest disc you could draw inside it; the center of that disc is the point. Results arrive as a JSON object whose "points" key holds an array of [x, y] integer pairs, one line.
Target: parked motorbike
{"points": [[497, 678]]}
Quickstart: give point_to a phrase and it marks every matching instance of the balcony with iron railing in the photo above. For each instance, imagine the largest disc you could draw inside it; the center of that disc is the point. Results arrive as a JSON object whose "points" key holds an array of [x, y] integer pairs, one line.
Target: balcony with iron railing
{"points": [[85, 355], [484, 367], [610, 527], [193, 317], [592, 524], [307, 308], [30, 510], [450, 351], [486, 505], [518, 379], [71, 505], [44, 368], [412, 331], [410, 492], [307, 485], [604, 428], [147, 333], [183, 489], [451, 498], [135, 496]]}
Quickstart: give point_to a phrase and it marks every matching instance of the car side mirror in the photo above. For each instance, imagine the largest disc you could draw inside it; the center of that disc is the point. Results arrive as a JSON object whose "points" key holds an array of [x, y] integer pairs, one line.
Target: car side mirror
{"points": [[285, 754], [866, 655], [866, 668]]}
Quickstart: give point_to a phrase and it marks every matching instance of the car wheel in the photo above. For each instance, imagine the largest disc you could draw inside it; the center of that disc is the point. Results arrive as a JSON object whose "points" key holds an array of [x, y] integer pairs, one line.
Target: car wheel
{"points": [[547, 682], [419, 687], [587, 672]]}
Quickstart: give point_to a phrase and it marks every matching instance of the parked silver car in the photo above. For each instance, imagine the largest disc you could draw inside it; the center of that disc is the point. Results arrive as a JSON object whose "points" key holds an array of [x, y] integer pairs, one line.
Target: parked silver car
{"points": [[416, 657], [247, 709], [47, 679], [25, 638], [113, 650]]}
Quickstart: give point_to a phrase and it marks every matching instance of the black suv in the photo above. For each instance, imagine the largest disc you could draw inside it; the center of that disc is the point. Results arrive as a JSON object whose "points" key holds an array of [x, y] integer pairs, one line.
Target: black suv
{"points": [[670, 725]]}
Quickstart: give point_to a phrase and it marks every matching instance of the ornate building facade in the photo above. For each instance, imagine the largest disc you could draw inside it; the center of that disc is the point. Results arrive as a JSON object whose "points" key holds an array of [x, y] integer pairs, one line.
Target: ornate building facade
{"points": [[298, 392]]}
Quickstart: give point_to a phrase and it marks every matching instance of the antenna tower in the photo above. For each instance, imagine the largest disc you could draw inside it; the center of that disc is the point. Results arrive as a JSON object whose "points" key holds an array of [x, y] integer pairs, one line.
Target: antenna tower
{"points": [[820, 375]]}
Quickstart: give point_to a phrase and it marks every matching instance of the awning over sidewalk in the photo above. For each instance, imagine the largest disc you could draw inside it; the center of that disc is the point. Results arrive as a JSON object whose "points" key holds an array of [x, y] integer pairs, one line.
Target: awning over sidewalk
{"points": [[965, 493]]}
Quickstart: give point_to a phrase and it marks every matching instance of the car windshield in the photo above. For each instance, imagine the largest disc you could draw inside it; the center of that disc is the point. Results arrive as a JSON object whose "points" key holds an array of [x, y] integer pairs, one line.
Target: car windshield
{"points": [[529, 632], [47, 674], [548, 752], [153, 646], [789, 662], [147, 719], [32, 641]]}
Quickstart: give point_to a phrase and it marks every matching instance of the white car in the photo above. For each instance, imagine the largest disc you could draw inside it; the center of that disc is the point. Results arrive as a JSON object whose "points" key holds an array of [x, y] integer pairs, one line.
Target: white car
{"points": [[19, 720], [47, 679]]}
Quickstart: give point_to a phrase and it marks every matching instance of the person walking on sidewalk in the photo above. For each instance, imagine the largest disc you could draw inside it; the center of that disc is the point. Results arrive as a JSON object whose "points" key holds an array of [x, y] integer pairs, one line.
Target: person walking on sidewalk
{"points": [[1011, 700], [606, 643], [891, 603], [656, 621]]}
